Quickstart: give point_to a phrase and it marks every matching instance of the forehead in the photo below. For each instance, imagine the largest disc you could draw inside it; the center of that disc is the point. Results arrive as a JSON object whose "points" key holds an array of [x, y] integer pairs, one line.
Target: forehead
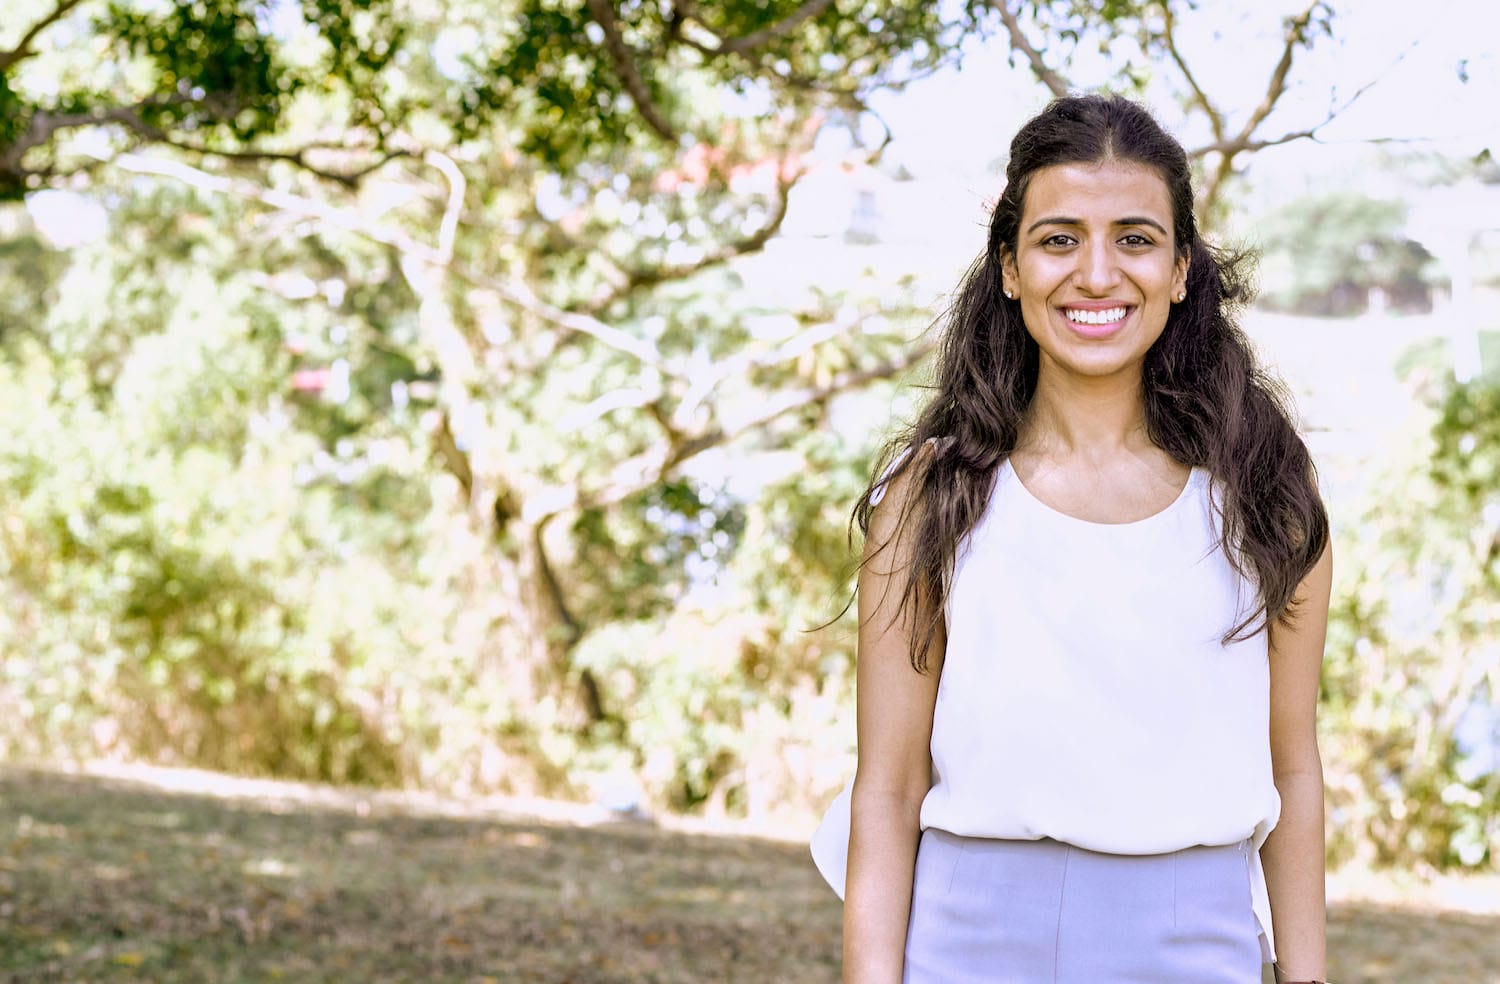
{"points": [[1102, 191]]}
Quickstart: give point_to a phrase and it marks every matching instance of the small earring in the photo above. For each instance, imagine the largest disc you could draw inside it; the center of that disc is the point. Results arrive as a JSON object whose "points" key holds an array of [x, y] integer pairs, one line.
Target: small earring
{"points": [[1010, 293], [1181, 297]]}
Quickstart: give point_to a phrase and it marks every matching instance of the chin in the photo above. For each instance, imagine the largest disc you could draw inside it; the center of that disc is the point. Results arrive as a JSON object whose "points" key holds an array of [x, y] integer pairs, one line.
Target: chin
{"points": [[1101, 368]]}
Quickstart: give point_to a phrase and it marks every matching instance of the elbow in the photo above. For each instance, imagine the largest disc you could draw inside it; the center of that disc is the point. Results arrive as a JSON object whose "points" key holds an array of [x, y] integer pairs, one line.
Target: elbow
{"points": [[1300, 777], [1298, 769], [1301, 793], [893, 796]]}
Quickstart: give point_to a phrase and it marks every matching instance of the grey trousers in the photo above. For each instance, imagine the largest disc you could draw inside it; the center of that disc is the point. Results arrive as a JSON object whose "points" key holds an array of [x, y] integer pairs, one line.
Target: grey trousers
{"points": [[1042, 912]]}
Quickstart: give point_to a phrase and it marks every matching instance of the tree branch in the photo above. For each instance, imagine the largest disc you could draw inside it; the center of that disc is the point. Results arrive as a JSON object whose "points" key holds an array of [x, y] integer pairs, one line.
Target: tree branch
{"points": [[297, 158], [644, 470], [1296, 35], [44, 124], [1054, 82], [748, 42], [350, 220], [23, 49], [453, 210], [554, 590], [1230, 148], [753, 243], [624, 398], [570, 321], [1215, 118], [588, 683], [624, 62], [455, 460], [1244, 143], [705, 381], [787, 401]]}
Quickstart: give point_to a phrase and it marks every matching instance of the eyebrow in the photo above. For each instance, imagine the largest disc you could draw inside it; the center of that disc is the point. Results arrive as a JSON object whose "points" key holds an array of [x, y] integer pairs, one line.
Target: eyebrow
{"points": [[1128, 220]]}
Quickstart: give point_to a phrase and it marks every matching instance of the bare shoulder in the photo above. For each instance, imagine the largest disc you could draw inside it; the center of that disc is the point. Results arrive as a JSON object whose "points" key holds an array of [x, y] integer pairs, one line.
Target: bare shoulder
{"points": [[1309, 612]]}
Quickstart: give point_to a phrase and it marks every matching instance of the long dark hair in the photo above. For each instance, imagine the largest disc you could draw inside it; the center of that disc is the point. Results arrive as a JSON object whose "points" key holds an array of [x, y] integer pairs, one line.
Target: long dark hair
{"points": [[1207, 402]]}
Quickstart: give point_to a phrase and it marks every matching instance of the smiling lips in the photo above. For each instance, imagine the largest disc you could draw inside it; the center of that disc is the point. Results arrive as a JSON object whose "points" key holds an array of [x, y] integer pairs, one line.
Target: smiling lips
{"points": [[1096, 322]]}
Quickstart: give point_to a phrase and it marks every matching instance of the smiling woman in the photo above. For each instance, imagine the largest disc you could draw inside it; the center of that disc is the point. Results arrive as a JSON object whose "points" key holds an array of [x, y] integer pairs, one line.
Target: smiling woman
{"points": [[1092, 608], [1095, 270]]}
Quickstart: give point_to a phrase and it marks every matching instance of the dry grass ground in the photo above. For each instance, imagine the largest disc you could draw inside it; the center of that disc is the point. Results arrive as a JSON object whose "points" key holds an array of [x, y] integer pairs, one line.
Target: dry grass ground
{"points": [[154, 878]]}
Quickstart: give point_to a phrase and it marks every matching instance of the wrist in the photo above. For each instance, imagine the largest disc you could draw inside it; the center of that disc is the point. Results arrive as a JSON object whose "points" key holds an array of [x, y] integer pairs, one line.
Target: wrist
{"points": [[1282, 978]]}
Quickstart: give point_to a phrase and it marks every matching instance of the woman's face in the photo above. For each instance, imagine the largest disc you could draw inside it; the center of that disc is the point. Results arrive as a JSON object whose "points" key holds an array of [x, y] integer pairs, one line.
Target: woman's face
{"points": [[1094, 269]]}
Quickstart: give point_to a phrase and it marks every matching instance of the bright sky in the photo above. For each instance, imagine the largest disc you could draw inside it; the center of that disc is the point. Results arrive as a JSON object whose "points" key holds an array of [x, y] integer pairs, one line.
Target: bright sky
{"points": [[960, 121]]}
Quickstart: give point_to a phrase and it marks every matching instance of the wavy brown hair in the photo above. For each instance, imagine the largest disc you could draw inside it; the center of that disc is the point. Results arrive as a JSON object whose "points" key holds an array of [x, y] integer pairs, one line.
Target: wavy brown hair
{"points": [[1207, 401]]}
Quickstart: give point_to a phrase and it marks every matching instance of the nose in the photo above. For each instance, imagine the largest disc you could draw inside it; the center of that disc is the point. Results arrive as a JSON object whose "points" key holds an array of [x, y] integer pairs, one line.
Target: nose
{"points": [[1098, 273]]}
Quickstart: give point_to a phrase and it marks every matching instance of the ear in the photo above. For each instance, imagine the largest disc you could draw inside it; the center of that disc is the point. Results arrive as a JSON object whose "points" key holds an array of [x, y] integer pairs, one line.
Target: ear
{"points": [[1010, 279], [1179, 275]]}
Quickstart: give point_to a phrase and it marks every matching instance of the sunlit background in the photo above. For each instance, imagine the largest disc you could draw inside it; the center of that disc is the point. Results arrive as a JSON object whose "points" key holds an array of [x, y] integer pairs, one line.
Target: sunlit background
{"points": [[468, 398]]}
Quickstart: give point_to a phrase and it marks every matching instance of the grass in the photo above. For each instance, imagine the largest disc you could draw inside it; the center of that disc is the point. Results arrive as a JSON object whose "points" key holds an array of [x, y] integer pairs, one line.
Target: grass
{"points": [[111, 880], [105, 880]]}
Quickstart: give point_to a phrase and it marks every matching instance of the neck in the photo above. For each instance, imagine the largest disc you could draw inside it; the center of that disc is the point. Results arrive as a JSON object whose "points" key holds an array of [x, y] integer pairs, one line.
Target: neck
{"points": [[1073, 416]]}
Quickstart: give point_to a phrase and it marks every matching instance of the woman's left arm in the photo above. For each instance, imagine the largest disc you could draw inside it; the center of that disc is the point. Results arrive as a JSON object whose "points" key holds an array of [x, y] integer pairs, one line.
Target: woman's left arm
{"points": [[1293, 854]]}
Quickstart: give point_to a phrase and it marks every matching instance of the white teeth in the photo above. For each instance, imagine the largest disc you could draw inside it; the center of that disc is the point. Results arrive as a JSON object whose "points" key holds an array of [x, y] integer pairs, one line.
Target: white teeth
{"points": [[1104, 317]]}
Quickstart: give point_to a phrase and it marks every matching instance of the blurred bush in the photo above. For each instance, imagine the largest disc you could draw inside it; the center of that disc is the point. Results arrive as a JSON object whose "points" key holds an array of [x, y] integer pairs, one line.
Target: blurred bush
{"points": [[211, 566], [1333, 255], [1412, 673], [200, 569]]}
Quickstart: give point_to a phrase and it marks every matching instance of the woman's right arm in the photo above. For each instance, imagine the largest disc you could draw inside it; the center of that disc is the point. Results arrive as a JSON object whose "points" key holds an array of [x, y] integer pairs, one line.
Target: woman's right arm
{"points": [[894, 724]]}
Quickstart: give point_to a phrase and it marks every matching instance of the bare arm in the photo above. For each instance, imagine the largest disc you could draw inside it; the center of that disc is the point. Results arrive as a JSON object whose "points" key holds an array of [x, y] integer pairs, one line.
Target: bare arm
{"points": [[1293, 854], [895, 708]]}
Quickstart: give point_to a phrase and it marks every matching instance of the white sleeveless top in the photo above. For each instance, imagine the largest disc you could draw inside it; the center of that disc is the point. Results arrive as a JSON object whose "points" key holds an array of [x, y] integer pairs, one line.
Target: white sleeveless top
{"points": [[1086, 695]]}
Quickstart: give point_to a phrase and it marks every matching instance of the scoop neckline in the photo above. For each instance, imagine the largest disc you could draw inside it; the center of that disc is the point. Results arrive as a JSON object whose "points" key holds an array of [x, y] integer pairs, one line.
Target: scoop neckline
{"points": [[1194, 476]]}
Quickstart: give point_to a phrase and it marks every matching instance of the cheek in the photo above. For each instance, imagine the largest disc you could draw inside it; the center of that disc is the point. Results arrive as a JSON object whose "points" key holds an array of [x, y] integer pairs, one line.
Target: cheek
{"points": [[1161, 280], [1038, 273]]}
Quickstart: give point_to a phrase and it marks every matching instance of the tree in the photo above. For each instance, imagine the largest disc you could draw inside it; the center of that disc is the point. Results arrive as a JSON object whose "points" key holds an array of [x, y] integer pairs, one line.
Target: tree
{"points": [[1327, 253], [572, 372], [1145, 41], [203, 77], [533, 219]]}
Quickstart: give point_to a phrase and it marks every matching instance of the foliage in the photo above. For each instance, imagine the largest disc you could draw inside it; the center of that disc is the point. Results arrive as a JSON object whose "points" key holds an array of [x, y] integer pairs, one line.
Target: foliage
{"points": [[1413, 659], [580, 81], [736, 680], [211, 74], [28, 274], [209, 566], [164, 563], [442, 403]]}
